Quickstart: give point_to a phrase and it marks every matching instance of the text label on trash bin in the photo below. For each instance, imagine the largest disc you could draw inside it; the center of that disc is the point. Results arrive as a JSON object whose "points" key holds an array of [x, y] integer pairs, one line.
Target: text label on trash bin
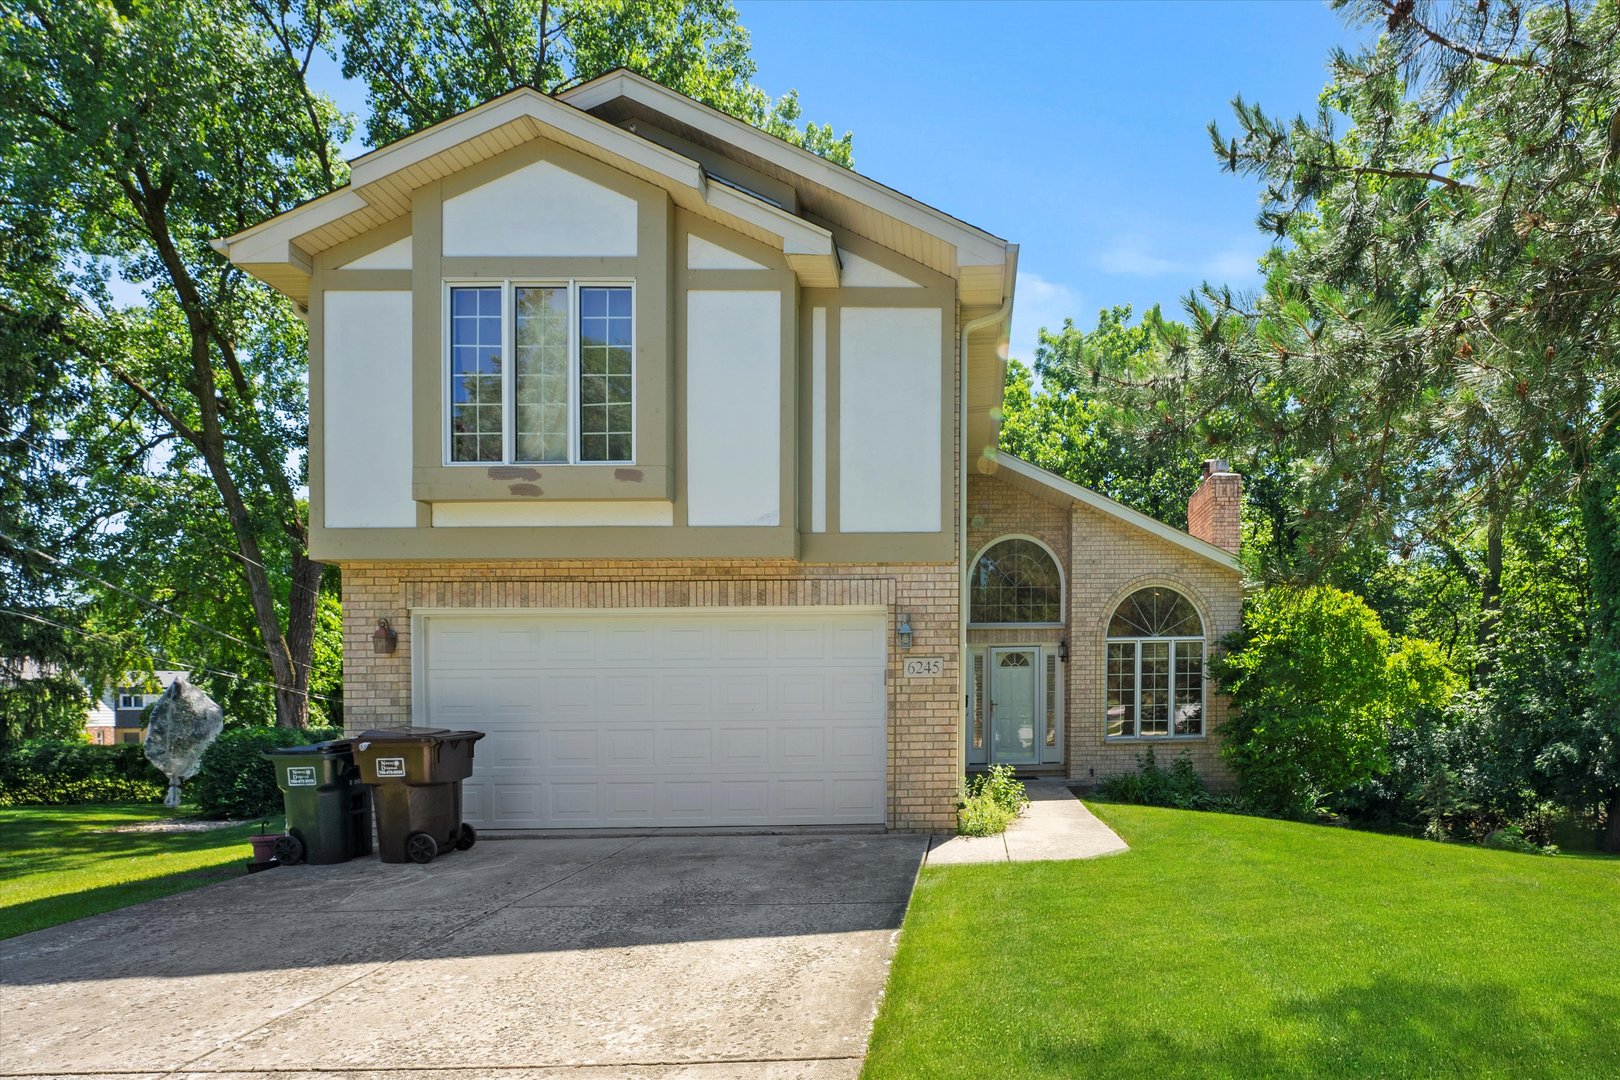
{"points": [[390, 766], [301, 776]]}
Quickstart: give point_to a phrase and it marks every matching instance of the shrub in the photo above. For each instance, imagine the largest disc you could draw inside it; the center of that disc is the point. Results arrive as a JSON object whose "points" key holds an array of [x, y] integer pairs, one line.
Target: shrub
{"points": [[54, 772], [1179, 786], [234, 780], [1512, 838], [1316, 688], [990, 802]]}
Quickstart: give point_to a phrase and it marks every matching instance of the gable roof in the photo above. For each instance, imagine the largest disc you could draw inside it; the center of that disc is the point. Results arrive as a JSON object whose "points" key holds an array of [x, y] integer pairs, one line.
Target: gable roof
{"points": [[830, 192], [1026, 475], [280, 251]]}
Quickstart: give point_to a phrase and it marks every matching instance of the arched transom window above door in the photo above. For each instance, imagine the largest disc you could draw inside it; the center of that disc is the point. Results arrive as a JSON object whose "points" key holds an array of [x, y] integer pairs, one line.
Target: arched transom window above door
{"points": [[1155, 667], [1016, 582]]}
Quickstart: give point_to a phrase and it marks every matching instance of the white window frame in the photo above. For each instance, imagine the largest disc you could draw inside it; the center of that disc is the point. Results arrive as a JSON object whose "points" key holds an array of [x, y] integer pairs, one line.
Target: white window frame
{"points": [[1136, 682], [508, 287], [1063, 586]]}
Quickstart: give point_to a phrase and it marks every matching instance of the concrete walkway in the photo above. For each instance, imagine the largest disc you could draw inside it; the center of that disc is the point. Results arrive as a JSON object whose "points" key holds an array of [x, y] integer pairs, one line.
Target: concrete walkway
{"points": [[1056, 826]]}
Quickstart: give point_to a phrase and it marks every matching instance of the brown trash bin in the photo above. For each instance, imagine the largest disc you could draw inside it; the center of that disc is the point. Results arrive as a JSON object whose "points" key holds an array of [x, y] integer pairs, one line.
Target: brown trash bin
{"points": [[415, 777]]}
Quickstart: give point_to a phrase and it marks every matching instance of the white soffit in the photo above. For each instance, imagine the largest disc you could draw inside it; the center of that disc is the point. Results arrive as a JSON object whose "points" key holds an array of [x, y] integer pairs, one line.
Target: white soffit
{"points": [[1105, 505], [269, 251]]}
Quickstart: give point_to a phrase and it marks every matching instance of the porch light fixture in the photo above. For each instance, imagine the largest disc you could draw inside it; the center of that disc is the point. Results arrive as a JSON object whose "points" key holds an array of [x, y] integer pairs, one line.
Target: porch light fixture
{"points": [[384, 639], [1063, 650], [903, 631]]}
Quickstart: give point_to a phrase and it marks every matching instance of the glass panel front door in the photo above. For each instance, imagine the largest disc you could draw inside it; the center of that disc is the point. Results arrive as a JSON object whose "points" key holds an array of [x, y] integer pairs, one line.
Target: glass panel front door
{"points": [[1014, 720]]}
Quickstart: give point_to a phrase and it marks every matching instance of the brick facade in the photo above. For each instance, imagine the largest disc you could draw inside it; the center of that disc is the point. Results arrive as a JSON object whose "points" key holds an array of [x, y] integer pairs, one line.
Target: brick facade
{"points": [[1103, 561], [925, 767], [1215, 511]]}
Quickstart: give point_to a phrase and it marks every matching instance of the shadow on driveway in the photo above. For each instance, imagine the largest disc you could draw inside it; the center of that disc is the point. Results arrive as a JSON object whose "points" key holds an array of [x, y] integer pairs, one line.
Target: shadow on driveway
{"points": [[548, 953]]}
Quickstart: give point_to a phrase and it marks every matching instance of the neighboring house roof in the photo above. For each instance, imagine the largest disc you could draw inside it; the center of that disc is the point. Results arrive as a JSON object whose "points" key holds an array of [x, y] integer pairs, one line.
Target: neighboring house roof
{"points": [[1023, 474]]}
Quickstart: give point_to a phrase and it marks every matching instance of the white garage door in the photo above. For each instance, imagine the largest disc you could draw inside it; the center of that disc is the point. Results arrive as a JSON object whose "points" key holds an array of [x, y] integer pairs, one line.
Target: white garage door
{"points": [[714, 718]]}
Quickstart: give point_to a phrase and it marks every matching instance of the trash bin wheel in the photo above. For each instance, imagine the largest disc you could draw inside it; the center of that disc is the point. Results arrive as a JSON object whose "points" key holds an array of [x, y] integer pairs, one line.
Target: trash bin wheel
{"points": [[289, 850], [468, 837], [421, 847]]}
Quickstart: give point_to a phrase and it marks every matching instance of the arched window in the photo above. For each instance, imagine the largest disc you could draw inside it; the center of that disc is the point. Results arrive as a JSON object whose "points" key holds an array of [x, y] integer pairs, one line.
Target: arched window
{"points": [[1015, 581], [1155, 667]]}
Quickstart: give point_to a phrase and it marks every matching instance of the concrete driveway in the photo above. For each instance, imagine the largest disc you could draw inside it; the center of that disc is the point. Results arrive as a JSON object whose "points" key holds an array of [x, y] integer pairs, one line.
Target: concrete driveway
{"points": [[657, 956]]}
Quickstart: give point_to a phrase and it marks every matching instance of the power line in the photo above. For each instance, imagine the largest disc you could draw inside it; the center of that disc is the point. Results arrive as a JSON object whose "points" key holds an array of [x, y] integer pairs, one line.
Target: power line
{"points": [[131, 506], [20, 546], [168, 661]]}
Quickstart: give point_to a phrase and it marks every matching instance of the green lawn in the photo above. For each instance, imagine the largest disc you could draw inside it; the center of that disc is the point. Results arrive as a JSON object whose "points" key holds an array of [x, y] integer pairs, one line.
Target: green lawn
{"points": [[1224, 946], [61, 862]]}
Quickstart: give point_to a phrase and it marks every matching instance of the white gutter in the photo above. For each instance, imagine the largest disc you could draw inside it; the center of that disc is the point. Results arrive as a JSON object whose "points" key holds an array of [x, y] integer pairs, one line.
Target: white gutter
{"points": [[999, 315]]}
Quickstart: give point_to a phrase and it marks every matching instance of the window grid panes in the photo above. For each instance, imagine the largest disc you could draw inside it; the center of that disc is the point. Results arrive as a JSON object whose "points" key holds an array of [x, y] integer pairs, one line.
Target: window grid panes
{"points": [[1189, 687], [1153, 693], [1155, 612], [604, 374], [1016, 581], [477, 412], [1155, 676], [569, 393], [1122, 688]]}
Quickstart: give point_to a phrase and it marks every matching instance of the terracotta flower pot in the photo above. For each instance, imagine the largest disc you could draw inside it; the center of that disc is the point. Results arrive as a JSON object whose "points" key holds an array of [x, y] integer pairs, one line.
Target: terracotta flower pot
{"points": [[264, 846]]}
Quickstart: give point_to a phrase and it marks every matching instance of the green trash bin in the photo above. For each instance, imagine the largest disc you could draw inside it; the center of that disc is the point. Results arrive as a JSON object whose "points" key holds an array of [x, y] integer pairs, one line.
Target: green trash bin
{"points": [[415, 776], [328, 809]]}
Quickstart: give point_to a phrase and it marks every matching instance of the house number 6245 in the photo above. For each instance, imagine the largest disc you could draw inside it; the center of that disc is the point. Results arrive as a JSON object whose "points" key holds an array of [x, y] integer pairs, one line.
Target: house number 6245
{"points": [[924, 667]]}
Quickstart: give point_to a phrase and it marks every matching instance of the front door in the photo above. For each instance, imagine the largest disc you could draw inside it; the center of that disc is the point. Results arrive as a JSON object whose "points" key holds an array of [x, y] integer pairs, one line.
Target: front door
{"points": [[1014, 718]]}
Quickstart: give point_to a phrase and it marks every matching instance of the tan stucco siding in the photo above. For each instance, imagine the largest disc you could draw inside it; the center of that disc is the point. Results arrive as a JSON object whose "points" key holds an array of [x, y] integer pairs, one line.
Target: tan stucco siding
{"points": [[669, 425]]}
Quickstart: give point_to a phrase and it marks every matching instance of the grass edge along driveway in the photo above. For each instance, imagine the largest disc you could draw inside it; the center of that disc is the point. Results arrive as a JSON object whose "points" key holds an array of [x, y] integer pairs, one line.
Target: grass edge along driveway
{"points": [[1225, 946], [59, 863]]}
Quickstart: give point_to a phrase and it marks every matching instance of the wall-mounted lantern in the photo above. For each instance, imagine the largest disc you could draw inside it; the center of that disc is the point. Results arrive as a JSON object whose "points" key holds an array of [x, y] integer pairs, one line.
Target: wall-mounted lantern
{"points": [[384, 639], [1063, 650], [903, 631]]}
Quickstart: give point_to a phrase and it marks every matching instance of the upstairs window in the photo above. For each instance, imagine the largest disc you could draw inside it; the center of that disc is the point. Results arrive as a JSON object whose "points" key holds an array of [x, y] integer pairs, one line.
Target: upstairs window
{"points": [[541, 374], [1155, 676], [1016, 582]]}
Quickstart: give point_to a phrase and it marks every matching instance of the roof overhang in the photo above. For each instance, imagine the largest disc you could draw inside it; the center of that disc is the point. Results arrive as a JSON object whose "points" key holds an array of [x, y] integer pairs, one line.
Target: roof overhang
{"points": [[281, 250], [982, 263], [1022, 474]]}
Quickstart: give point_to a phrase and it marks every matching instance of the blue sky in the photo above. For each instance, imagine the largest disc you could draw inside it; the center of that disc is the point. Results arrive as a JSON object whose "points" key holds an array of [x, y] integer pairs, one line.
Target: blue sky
{"points": [[1075, 130]]}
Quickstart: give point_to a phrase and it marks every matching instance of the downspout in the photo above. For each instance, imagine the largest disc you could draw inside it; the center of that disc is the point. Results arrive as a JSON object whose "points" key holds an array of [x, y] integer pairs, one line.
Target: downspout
{"points": [[994, 317]]}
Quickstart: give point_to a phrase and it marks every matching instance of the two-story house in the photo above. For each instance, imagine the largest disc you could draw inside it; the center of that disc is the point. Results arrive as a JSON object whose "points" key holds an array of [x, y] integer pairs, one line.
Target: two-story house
{"points": [[669, 450], [120, 714]]}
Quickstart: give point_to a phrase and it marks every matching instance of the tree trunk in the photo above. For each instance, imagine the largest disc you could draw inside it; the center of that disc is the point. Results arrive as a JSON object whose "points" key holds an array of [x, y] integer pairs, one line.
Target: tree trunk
{"points": [[1611, 835]]}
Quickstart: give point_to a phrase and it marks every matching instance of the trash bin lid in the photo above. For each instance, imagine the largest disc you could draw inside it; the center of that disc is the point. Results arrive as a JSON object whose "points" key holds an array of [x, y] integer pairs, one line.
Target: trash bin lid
{"points": [[416, 735], [331, 746]]}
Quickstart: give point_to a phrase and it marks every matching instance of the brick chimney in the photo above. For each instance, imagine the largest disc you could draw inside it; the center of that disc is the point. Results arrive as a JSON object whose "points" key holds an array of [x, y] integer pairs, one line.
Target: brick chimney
{"points": [[1214, 513]]}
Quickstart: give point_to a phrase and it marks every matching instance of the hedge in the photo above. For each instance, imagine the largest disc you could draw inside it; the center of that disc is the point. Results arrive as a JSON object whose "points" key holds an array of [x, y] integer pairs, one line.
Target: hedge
{"points": [[54, 772], [234, 780]]}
